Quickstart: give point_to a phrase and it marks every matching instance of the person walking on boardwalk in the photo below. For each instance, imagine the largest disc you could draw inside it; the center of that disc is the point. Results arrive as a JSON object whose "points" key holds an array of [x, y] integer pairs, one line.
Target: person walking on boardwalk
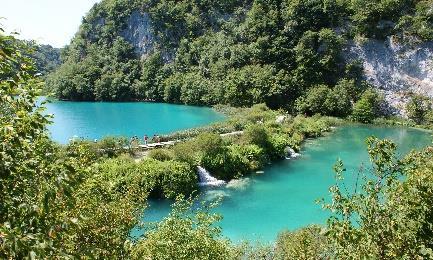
{"points": [[145, 138]]}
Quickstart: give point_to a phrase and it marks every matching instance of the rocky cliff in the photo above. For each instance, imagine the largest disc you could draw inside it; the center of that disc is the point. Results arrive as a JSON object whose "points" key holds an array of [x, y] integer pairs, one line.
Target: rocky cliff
{"points": [[138, 32], [396, 69], [243, 52]]}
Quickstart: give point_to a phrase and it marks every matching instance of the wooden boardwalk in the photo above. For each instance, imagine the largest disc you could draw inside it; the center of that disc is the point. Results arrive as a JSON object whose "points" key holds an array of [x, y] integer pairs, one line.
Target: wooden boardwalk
{"points": [[146, 147]]}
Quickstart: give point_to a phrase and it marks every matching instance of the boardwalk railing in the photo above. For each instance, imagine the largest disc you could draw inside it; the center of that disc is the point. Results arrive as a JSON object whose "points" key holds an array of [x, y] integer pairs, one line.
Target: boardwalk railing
{"points": [[146, 147]]}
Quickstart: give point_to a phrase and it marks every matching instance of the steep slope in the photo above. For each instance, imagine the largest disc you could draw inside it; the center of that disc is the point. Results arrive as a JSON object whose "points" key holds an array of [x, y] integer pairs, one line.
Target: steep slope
{"points": [[396, 69], [46, 57], [242, 52]]}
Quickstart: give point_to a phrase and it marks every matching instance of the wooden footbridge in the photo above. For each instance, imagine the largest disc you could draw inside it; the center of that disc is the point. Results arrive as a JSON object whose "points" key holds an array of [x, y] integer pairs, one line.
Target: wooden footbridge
{"points": [[151, 146], [146, 147]]}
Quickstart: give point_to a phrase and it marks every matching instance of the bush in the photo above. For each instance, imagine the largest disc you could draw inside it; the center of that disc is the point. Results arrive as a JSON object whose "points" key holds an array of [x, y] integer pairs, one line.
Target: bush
{"points": [[417, 108], [279, 143], [184, 234], [310, 126], [306, 243], [367, 107], [160, 179], [161, 155], [258, 135], [186, 152], [326, 101], [111, 146], [313, 101], [176, 178], [251, 156], [389, 215]]}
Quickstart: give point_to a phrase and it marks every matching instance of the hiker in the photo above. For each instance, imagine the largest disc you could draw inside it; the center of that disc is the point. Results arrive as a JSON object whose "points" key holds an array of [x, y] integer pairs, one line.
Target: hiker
{"points": [[145, 139]]}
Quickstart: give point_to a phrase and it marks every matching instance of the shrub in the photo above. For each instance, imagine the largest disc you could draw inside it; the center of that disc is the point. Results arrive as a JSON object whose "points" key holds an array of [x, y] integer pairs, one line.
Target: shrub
{"points": [[306, 243], [161, 155], [313, 101], [252, 156], [186, 152], [326, 101], [184, 234], [111, 146], [160, 179], [367, 107], [389, 215], [279, 144], [258, 135], [417, 108], [176, 178], [310, 126]]}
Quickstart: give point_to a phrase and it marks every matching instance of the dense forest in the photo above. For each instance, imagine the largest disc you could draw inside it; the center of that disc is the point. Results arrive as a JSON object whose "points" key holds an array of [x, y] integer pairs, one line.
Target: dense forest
{"points": [[284, 53], [46, 58]]}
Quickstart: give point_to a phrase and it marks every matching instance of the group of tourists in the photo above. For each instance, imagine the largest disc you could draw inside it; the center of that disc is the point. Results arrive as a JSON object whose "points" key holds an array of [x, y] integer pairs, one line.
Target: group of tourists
{"points": [[135, 141]]}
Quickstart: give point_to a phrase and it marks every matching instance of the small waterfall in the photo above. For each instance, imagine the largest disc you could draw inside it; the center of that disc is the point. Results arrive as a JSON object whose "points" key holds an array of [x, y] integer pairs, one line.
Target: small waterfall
{"points": [[291, 153], [206, 179]]}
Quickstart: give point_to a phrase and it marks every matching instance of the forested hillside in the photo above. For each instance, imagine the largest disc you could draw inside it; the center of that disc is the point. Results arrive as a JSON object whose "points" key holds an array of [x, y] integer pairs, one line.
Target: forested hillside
{"points": [[285, 53], [46, 57]]}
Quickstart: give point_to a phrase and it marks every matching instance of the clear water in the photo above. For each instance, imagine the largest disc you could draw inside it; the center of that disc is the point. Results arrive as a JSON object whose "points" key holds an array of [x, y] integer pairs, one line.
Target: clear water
{"points": [[92, 120], [283, 197]]}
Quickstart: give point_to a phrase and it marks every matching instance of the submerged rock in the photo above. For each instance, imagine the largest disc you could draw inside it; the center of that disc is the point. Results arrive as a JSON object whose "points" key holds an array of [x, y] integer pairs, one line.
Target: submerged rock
{"points": [[239, 184], [215, 195]]}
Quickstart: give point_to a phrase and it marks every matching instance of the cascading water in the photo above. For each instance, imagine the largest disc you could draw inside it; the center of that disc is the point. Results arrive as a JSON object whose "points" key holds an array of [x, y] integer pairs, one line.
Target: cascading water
{"points": [[206, 179], [291, 153]]}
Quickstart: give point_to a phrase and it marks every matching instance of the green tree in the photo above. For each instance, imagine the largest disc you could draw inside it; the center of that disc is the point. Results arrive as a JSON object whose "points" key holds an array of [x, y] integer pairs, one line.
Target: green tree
{"points": [[313, 101], [34, 187], [248, 86], [326, 101], [318, 58], [367, 107], [388, 216], [418, 107], [306, 243], [184, 235]]}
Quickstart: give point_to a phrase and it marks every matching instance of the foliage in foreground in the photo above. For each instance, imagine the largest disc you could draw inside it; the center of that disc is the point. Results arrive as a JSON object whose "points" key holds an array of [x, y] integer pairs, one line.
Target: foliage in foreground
{"points": [[51, 203], [387, 218], [185, 234]]}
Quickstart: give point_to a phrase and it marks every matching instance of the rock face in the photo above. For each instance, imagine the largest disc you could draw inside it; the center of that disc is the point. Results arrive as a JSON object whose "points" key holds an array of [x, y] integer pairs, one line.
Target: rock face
{"points": [[138, 32], [396, 69]]}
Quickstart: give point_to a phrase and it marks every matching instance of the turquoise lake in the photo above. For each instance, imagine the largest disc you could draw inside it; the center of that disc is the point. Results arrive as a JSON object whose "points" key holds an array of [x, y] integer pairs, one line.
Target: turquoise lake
{"points": [[256, 208], [93, 120], [284, 195]]}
